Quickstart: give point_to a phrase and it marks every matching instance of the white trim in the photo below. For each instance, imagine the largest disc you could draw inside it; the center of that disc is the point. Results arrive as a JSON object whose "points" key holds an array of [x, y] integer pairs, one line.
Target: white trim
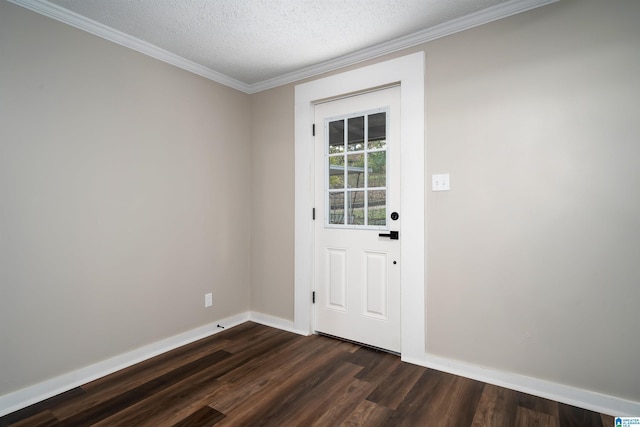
{"points": [[409, 72], [83, 23], [494, 13], [22, 398], [581, 398], [570, 395], [500, 11], [276, 322]]}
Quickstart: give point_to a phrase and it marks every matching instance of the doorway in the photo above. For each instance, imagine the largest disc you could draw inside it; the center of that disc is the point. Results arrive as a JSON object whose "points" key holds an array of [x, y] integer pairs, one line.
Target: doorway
{"points": [[408, 72]]}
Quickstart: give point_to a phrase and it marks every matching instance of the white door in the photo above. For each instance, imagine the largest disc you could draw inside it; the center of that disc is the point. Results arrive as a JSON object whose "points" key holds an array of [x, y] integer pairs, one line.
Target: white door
{"points": [[357, 199]]}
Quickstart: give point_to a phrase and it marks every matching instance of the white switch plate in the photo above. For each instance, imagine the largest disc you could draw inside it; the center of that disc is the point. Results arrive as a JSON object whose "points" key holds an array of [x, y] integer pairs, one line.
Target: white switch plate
{"points": [[440, 182], [208, 300]]}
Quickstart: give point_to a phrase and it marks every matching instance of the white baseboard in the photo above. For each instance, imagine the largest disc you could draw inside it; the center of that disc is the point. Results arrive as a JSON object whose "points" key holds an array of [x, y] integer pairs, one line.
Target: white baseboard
{"points": [[275, 322], [22, 398], [585, 399], [570, 395]]}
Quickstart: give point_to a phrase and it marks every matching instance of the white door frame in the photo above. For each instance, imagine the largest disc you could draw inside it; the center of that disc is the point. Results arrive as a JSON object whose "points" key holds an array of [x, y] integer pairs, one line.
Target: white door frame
{"points": [[409, 72]]}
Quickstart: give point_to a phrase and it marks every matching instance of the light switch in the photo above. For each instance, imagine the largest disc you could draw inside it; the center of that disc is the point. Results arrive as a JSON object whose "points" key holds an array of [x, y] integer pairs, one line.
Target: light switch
{"points": [[440, 182]]}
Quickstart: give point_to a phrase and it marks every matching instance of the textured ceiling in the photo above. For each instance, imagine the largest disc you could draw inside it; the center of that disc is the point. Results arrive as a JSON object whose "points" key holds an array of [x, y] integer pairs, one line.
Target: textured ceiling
{"points": [[253, 41]]}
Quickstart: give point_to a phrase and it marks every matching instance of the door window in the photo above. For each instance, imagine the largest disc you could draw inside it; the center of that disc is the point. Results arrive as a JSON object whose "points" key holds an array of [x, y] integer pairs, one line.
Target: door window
{"points": [[356, 170]]}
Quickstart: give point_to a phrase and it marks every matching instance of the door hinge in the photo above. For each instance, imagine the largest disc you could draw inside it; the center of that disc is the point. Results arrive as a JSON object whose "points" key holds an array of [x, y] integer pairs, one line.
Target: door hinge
{"points": [[313, 214], [313, 297], [313, 129]]}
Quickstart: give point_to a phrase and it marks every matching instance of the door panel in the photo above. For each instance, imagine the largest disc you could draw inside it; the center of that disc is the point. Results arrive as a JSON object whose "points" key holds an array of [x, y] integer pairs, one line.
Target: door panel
{"points": [[375, 285], [357, 186], [337, 272]]}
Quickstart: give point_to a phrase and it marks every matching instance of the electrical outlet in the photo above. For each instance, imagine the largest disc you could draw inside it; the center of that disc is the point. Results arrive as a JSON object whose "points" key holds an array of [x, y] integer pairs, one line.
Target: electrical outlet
{"points": [[208, 300]]}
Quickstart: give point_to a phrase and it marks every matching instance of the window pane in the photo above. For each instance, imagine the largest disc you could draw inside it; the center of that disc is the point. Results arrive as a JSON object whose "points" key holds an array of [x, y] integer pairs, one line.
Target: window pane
{"points": [[336, 137], [355, 170], [336, 172], [377, 131], [377, 169], [336, 208], [356, 134], [355, 199], [377, 208]]}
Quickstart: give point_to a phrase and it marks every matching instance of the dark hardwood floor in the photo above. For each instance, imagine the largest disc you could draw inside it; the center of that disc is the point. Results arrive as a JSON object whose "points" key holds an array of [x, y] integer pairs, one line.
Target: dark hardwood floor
{"points": [[253, 375]]}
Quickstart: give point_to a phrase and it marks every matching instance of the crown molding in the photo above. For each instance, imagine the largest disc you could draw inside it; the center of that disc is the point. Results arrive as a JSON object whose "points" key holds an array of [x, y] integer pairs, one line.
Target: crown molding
{"points": [[500, 11], [494, 13], [83, 23]]}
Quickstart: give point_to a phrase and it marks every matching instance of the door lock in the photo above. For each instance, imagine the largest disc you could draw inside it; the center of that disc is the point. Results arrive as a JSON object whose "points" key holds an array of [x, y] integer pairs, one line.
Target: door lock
{"points": [[393, 235]]}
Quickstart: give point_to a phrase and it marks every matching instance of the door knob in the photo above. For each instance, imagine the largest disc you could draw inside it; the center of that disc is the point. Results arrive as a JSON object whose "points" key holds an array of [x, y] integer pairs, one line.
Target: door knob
{"points": [[393, 235]]}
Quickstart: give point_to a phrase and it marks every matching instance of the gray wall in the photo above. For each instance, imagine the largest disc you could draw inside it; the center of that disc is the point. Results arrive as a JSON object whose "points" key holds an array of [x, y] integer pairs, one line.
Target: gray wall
{"points": [[272, 185], [129, 188], [124, 197], [533, 256]]}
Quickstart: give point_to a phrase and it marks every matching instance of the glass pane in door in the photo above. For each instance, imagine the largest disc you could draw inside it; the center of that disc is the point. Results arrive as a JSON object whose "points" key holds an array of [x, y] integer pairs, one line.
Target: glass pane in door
{"points": [[377, 131], [355, 170], [355, 199], [336, 172], [377, 207], [336, 207], [356, 134], [377, 169], [336, 137]]}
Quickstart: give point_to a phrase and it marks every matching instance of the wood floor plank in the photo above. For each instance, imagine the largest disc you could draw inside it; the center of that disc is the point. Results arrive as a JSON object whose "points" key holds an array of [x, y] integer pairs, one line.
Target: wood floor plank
{"points": [[168, 406], [538, 404], [416, 409], [310, 394], [263, 388], [344, 403], [116, 404], [257, 350], [440, 399], [276, 359], [42, 406], [268, 404], [140, 372], [526, 417], [367, 413], [181, 399], [250, 338], [570, 416], [497, 407], [204, 417], [392, 390], [607, 420], [375, 363], [463, 402], [41, 419], [130, 378]]}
